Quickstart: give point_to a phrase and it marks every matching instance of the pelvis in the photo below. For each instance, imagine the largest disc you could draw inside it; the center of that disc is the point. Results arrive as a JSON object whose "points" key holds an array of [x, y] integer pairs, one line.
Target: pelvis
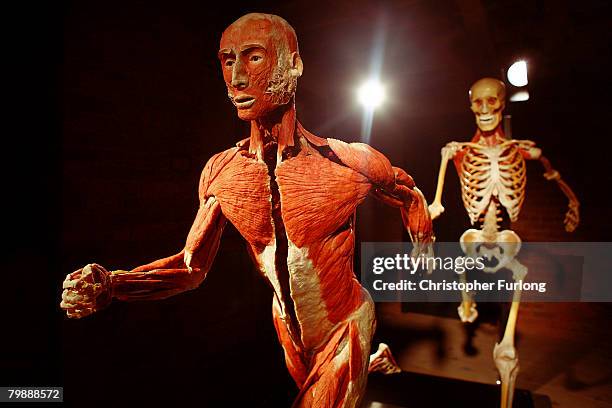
{"points": [[497, 249]]}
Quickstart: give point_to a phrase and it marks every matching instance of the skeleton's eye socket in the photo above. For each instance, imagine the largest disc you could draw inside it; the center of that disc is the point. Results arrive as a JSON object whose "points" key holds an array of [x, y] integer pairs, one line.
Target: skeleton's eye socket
{"points": [[478, 102], [492, 101]]}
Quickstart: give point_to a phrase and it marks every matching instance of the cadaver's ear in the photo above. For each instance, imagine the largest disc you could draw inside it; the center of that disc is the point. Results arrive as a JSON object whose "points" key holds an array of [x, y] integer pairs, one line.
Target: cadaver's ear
{"points": [[297, 66]]}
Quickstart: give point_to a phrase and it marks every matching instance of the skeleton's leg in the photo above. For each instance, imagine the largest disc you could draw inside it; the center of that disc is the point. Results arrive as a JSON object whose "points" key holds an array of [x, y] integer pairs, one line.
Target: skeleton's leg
{"points": [[468, 240], [338, 372], [467, 308], [504, 353]]}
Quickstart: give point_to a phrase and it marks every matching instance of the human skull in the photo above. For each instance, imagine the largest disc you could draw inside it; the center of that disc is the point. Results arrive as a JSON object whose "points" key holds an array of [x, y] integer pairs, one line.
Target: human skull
{"points": [[488, 100]]}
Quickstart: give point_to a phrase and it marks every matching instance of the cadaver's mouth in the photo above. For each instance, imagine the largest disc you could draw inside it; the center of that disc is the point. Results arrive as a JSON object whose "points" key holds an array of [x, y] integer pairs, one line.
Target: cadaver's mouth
{"points": [[244, 101]]}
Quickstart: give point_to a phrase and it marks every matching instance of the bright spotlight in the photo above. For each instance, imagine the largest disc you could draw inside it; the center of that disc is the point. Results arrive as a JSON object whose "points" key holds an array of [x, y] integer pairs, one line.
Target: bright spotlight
{"points": [[517, 74], [371, 94]]}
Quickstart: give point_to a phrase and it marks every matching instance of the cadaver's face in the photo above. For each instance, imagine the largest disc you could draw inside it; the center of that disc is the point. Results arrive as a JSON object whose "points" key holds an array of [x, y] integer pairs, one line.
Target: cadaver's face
{"points": [[249, 56], [487, 103]]}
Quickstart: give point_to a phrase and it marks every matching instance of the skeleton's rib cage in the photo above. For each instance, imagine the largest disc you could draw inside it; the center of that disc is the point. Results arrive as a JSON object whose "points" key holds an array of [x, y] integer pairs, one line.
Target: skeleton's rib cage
{"points": [[493, 171]]}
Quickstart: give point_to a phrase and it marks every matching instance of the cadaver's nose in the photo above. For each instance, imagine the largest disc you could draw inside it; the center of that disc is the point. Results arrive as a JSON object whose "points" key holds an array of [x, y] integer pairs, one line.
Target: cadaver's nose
{"points": [[240, 79]]}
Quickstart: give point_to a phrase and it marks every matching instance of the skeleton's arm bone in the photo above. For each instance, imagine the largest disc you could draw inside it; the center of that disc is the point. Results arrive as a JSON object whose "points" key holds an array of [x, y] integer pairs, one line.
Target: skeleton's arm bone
{"points": [[448, 152], [552, 174], [572, 217]]}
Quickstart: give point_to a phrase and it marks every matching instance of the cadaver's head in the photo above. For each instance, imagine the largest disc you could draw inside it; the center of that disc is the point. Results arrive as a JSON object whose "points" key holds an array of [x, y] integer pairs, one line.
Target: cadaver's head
{"points": [[260, 63], [488, 100]]}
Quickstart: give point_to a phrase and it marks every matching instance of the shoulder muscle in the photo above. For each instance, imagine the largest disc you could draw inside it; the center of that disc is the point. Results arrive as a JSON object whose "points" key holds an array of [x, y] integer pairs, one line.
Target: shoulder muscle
{"points": [[213, 167], [364, 159]]}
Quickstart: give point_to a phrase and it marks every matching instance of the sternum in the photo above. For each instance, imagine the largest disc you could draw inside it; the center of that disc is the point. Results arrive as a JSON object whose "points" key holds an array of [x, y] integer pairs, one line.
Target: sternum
{"points": [[494, 172]]}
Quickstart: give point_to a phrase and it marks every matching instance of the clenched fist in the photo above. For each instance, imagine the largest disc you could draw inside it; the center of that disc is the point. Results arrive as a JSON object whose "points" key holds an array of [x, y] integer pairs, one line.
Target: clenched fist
{"points": [[86, 290]]}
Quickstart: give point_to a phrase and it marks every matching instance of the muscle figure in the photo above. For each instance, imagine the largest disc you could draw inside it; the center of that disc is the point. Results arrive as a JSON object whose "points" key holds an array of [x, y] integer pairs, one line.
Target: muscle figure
{"points": [[493, 176], [292, 196]]}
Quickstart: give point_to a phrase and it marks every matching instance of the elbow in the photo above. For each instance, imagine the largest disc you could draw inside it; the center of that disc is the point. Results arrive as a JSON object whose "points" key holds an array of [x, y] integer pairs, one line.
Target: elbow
{"points": [[187, 257], [195, 278], [195, 274]]}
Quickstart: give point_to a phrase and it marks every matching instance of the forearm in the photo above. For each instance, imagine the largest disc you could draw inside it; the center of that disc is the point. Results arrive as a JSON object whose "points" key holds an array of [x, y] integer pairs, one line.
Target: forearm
{"points": [[572, 216], [552, 174], [158, 280], [416, 218]]}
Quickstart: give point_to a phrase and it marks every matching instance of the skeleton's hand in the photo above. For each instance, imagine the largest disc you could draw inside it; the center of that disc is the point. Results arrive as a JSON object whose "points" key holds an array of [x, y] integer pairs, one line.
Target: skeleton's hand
{"points": [[572, 217], [86, 291], [435, 209]]}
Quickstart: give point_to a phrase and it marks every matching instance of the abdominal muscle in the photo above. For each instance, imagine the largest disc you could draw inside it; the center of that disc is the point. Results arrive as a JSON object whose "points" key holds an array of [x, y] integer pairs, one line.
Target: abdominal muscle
{"points": [[312, 327]]}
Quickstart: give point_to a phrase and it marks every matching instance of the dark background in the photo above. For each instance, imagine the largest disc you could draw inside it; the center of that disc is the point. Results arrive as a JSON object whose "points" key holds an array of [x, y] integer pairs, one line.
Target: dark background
{"points": [[116, 106]]}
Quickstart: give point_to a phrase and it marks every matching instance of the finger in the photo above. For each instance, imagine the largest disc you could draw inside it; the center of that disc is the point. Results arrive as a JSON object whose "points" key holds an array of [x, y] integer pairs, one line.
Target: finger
{"points": [[87, 272], [65, 305], [99, 273], [69, 283], [76, 274], [72, 296], [77, 313], [72, 276], [99, 268], [70, 308], [570, 226], [571, 218]]}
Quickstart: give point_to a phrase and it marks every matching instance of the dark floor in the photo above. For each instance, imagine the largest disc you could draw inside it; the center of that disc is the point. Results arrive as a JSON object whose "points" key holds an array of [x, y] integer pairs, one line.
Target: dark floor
{"points": [[564, 350], [419, 390]]}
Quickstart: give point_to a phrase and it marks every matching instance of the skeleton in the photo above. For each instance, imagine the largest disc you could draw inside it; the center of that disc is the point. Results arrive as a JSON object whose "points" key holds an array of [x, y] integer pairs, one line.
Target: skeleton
{"points": [[292, 196], [492, 173]]}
